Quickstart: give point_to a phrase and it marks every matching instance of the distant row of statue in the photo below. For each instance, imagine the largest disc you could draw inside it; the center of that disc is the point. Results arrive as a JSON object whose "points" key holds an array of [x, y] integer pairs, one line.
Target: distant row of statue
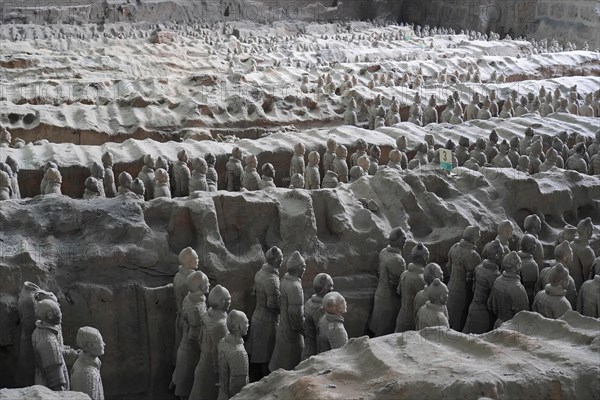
{"points": [[159, 179]]}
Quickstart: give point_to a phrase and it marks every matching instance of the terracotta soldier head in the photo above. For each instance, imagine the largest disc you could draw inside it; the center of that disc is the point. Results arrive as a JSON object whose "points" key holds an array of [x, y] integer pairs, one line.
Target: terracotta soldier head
{"points": [[274, 257], [299, 149], [563, 253], [505, 230], [314, 158], [97, 170], [331, 144], [125, 180], [559, 276], [528, 244], [198, 281], [219, 298], [237, 323], [419, 254], [341, 151], [199, 164], [397, 238], [90, 341], [432, 271], [188, 258], [585, 228], [296, 265], [322, 284], [511, 263], [437, 292], [138, 187], [182, 155], [268, 170], [149, 161], [334, 303], [107, 159], [471, 234], [48, 311]]}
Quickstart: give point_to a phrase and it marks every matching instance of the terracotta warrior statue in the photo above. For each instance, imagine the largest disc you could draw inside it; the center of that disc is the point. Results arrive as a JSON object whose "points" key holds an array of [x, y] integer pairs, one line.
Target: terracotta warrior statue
{"points": [[147, 176], [85, 375], [330, 180], [395, 158], [181, 175], [401, 145], [265, 319], [430, 272], [583, 255], [52, 181], [290, 339], [50, 366], [411, 282], [313, 177], [588, 299], [137, 187], [375, 155], [329, 154], [5, 186], [250, 178], [551, 302], [162, 187], [508, 295], [44, 182], [433, 312], [502, 160], [110, 190], [563, 254], [24, 374], [234, 170], [313, 311], [387, 301], [125, 181], [14, 166], [532, 225], [188, 259], [97, 172], [268, 174], [331, 331], [297, 161], [462, 260], [480, 318], [297, 181], [198, 178], [340, 166], [193, 309], [212, 178], [214, 328], [92, 189], [361, 150], [233, 360], [529, 268]]}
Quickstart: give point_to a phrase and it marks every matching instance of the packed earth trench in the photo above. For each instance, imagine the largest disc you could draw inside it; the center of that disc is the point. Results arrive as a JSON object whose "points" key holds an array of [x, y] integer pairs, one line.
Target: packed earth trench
{"points": [[293, 209]]}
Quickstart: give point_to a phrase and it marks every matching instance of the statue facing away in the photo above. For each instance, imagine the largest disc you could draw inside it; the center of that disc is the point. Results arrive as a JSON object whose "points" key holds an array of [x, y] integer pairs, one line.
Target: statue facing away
{"points": [[233, 360], [313, 311], [432, 313], [332, 334], [290, 340]]}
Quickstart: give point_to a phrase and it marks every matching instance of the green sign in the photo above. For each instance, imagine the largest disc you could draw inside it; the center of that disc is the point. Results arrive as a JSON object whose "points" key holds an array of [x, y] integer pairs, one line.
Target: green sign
{"points": [[446, 159]]}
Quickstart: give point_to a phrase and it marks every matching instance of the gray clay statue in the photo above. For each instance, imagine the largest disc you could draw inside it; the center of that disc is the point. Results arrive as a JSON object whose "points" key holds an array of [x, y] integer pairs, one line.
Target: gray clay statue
{"points": [[588, 298], [563, 254], [92, 188], [375, 155], [233, 360], [198, 180], [50, 366], [110, 190], [85, 375], [268, 174], [97, 172], [329, 155], [313, 177], [214, 328], [430, 272], [234, 170], [125, 181], [330, 180], [290, 340], [313, 311], [480, 318], [529, 268], [147, 176], [14, 166], [387, 302], [432, 313], [361, 150], [181, 175], [188, 259], [583, 255], [162, 187], [411, 283], [212, 178], [265, 318], [551, 302], [297, 161], [250, 179], [508, 295], [462, 260], [340, 166], [137, 187], [331, 331], [193, 309]]}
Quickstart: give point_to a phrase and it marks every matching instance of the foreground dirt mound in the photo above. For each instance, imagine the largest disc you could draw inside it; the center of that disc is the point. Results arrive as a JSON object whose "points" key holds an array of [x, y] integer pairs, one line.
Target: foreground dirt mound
{"points": [[527, 357]]}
